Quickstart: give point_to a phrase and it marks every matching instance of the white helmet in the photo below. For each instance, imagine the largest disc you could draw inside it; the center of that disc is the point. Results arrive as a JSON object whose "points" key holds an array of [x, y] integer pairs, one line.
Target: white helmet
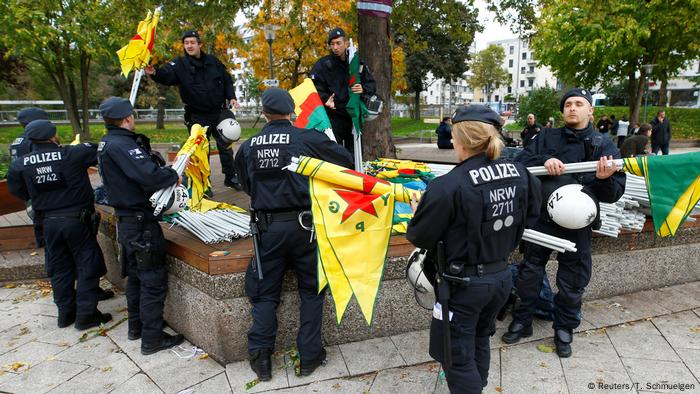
{"points": [[228, 128], [178, 201], [422, 289], [569, 207]]}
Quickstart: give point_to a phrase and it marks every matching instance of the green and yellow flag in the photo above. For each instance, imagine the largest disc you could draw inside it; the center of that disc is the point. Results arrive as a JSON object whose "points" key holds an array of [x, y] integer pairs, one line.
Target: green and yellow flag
{"points": [[673, 184], [352, 217]]}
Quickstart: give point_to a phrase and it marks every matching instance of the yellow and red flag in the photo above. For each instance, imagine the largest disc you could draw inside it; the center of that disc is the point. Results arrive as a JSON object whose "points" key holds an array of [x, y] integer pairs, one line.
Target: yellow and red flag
{"points": [[673, 185], [197, 170], [137, 53], [353, 215], [311, 114]]}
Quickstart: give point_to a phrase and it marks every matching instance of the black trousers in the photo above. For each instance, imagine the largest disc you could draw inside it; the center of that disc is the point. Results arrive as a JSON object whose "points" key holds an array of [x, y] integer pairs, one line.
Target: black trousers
{"points": [[225, 151], [145, 288], [285, 245], [573, 275], [474, 311], [655, 148], [342, 128], [73, 255]]}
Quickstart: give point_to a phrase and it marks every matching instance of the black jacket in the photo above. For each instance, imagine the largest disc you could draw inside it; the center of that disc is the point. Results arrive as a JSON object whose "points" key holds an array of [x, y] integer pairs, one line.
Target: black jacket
{"points": [[129, 174], [330, 76], [660, 131], [54, 177], [204, 83], [261, 159], [444, 133], [479, 209], [20, 147], [575, 146], [529, 132]]}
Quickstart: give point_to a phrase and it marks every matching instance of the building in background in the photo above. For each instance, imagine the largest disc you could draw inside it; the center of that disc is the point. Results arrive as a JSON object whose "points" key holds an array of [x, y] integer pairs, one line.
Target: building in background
{"points": [[681, 91], [242, 70]]}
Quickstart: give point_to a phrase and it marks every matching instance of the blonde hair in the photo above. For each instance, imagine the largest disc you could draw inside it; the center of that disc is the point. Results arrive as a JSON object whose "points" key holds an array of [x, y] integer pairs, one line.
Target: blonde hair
{"points": [[478, 137]]}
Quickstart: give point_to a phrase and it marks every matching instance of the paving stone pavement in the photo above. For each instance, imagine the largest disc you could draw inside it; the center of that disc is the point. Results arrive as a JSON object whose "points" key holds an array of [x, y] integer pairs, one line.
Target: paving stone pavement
{"points": [[642, 342]]}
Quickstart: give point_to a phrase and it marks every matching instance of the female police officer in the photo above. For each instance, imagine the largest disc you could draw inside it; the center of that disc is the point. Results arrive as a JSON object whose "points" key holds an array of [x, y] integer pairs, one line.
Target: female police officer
{"points": [[474, 217]]}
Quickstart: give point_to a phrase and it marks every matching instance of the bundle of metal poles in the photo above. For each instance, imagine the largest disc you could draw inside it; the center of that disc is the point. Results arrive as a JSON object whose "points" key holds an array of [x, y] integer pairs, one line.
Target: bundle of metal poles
{"points": [[548, 241], [161, 198], [214, 226]]}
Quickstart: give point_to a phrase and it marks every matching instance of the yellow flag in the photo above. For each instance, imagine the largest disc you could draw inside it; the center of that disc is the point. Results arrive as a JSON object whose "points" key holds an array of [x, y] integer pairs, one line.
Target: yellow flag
{"points": [[137, 53], [197, 171], [353, 215]]}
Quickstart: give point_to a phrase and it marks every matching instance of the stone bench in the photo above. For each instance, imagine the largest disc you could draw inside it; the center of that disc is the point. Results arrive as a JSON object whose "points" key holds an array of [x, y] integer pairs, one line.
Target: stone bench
{"points": [[209, 306]]}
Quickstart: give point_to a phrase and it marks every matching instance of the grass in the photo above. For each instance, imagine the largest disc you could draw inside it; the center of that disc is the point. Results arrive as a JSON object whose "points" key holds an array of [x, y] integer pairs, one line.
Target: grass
{"points": [[176, 132]]}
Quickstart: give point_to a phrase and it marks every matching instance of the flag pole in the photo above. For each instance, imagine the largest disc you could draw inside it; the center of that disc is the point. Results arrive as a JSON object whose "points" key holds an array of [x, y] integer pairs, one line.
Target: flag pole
{"points": [[135, 86], [357, 137]]}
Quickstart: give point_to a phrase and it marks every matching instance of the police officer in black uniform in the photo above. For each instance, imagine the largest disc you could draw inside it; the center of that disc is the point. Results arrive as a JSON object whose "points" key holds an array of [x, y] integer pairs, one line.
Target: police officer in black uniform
{"points": [[55, 178], [281, 204], [331, 78], [22, 145], [206, 89], [478, 211], [576, 142], [130, 176]]}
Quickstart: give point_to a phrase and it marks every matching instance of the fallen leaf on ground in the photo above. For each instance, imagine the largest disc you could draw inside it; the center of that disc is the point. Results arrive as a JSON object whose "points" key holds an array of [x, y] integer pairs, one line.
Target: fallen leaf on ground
{"points": [[33, 253], [499, 389], [10, 286], [695, 330], [251, 384], [24, 331], [336, 386], [204, 356], [544, 364], [106, 369], [17, 365], [545, 349]]}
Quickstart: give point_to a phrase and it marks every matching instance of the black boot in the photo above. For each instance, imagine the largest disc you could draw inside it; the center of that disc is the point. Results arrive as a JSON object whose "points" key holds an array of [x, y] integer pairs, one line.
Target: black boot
{"points": [[309, 367], [104, 294], [261, 364], [516, 331], [232, 182], [65, 319], [562, 340], [165, 342], [134, 332], [83, 322]]}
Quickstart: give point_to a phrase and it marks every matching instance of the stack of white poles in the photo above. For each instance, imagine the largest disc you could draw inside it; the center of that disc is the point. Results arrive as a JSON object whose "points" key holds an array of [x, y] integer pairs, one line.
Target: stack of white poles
{"points": [[548, 241], [217, 225], [160, 198]]}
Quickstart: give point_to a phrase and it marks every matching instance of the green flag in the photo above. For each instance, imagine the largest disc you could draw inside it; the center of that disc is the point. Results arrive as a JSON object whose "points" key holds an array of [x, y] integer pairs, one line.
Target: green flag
{"points": [[355, 107], [673, 184]]}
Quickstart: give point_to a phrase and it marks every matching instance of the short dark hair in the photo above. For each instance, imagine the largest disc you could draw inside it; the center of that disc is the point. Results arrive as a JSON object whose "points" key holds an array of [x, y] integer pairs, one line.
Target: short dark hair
{"points": [[658, 113], [445, 119], [644, 128]]}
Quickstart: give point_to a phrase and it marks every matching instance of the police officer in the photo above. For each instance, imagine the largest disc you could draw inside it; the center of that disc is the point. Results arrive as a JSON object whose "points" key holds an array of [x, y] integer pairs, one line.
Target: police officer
{"points": [[130, 176], [478, 211], [22, 145], [281, 203], [55, 178], [577, 141], [206, 89], [331, 78]]}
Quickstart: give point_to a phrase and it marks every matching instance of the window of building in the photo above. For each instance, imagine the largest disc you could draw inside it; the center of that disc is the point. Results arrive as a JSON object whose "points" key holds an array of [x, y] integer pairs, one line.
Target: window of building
{"points": [[532, 69], [510, 76], [530, 82], [510, 63], [522, 83], [524, 55], [512, 49], [510, 89], [522, 70], [495, 98], [532, 55]]}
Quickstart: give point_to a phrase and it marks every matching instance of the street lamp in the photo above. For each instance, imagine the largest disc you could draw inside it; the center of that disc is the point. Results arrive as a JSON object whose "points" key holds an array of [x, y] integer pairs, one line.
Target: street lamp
{"points": [[647, 70], [269, 31]]}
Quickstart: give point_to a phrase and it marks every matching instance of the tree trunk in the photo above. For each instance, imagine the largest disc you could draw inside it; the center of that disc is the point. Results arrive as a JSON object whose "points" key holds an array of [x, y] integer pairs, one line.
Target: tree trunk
{"points": [[663, 93], [160, 118], [85, 92], [73, 112], [375, 51], [416, 105]]}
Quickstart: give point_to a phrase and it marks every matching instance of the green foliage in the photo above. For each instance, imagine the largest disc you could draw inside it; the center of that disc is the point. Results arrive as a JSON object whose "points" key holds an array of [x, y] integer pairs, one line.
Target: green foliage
{"points": [[590, 43], [436, 36], [685, 122], [616, 94], [519, 15], [542, 102], [4, 163], [487, 69]]}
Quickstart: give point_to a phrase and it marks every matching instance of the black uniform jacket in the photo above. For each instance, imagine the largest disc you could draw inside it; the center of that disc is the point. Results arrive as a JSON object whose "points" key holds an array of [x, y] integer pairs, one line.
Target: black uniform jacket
{"points": [[129, 175], [54, 177], [575, 146], [479, 209], [261, 159], [330, 76], [20, 147], [204, 83]]}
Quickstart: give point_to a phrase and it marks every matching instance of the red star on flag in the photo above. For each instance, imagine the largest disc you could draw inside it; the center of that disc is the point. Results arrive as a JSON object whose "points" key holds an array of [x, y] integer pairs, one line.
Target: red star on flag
{"points": [[357, 202], [368, 182]]}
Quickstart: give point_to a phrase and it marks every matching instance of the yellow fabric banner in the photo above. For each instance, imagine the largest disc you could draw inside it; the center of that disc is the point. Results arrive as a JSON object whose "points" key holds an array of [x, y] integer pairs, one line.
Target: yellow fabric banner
{"points": [[137, 53], [197, 171]]}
